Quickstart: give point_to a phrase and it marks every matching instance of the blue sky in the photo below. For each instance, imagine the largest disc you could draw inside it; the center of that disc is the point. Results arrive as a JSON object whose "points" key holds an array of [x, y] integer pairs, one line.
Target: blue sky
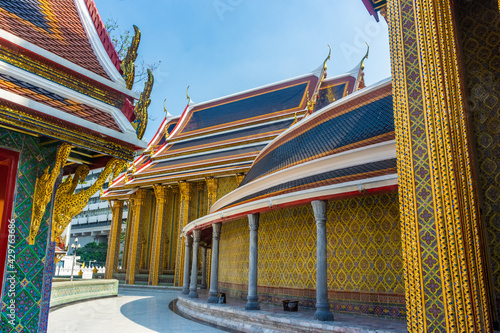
{"points": [[220, 47]]}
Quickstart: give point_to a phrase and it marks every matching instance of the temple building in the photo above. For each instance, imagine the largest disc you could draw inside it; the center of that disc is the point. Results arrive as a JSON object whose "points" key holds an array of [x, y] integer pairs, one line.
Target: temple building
{"points": [[380, 201], [66, 106]]}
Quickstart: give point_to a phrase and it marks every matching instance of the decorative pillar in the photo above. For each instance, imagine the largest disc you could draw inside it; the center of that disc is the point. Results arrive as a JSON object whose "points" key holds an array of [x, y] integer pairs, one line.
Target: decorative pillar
{"points": [[137, 203], [253, 299], [114, 238], [322, 307], [203, 268], [157, 248], [126, 241], [188, 241], [185, 199], [212, 191], [194, 267], [214, 271], [445, 284]]}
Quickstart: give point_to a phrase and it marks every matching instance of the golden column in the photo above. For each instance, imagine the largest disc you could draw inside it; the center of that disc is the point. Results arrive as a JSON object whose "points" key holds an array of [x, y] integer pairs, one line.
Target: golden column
{"points": [[137, 204], [441, 239], [114, 238], [185, 199], [126, 242], [156, 264]]}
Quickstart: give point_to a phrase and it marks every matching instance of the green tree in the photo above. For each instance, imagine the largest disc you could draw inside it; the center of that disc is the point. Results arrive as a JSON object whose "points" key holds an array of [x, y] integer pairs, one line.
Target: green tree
{"points": [[94, 251]]}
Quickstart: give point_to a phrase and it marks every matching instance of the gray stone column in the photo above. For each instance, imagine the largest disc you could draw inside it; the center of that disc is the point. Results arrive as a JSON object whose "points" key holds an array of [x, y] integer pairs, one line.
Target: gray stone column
{"points": [[194, 266], [322, 307], [253, 299], [188, 240], [203, 268], [214, 273]]}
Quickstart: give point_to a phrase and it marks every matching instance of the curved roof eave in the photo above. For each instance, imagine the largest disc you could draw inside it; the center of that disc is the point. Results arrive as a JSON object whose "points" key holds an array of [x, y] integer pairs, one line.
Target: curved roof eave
{"points": [[322, 193]]}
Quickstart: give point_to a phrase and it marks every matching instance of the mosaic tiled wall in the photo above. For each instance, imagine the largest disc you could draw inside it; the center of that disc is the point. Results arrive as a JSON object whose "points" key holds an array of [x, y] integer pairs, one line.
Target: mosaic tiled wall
{"points": [[287, 248], [199, 201], [233, 252], [364, 244], [479, 33], [32, 287], [225, 185], [171, 230], [364, 256]]}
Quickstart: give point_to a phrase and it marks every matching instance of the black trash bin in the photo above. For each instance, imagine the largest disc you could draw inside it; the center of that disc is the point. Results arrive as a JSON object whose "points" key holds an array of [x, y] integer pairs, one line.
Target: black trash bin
{"points": [[291, 306]]}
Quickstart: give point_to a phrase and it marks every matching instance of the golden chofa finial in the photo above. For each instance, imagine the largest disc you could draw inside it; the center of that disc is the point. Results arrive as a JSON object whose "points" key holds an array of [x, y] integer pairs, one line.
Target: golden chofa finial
{"points": [[328, 57], [365, 57], [134, 170], [167, 114], [126, 177], [187, 94], [152, 152]]}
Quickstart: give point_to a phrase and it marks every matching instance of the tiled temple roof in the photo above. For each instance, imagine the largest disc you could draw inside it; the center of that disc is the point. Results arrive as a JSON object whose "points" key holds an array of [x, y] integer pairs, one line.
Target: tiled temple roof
{"points": [[48, 98], [58, 65], [345, 148], [53, 25], [222, 137], [355, 123]]}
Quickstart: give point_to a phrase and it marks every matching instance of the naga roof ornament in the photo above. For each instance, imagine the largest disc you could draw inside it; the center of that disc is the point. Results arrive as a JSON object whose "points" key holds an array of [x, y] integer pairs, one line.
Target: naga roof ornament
{"points": [[68, 204], [128, 64], [141, 108], [43, 190]]}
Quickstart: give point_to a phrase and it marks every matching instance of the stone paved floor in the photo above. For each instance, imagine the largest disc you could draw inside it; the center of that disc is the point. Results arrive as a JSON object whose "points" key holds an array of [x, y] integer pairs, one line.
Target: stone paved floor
{"points": [[134, 311], [144, 309]]}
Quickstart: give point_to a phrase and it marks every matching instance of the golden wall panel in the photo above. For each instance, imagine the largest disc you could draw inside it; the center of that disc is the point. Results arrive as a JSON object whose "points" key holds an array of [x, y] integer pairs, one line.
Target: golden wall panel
{"points": [[226, 185], [364, 244], [287, 248], [364, 247], [233, 252]]}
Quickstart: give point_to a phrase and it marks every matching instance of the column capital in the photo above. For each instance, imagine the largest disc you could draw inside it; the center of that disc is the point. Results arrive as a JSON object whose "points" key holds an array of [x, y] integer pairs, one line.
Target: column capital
{"points": [[184, 190], [211, 184], [196, 235], [138, 198], [188, 240], [319, 209], [116, 204], [216, 228], [253, 221], [160, 192]]}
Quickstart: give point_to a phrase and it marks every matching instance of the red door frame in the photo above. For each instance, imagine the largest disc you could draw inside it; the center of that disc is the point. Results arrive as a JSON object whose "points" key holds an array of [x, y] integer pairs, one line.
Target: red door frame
{"points": [[12, 159]]}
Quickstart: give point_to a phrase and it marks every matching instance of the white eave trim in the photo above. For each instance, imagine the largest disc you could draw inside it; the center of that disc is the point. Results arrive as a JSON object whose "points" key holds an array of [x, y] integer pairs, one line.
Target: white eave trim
{"points": [[309, 194], [373, 153], [65, 92], [66, 63], [96, 43], [210, 151], [125, 137], [167, 174]]}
